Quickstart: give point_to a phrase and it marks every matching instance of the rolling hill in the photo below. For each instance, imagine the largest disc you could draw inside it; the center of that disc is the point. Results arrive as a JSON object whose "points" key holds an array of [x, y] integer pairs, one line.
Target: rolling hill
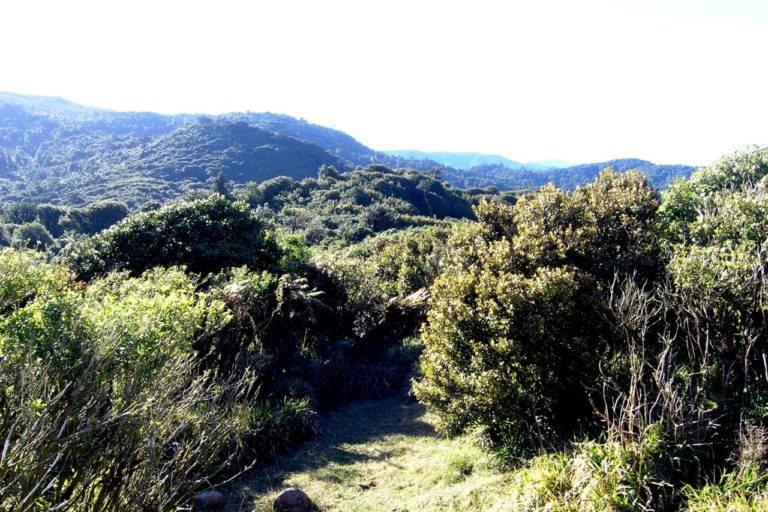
{"points": [[55, 151]]}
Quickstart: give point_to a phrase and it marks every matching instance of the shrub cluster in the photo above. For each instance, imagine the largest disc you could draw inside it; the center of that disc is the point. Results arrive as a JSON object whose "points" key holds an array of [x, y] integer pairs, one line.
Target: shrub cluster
{"points": [[606, 312], [102, 404]]}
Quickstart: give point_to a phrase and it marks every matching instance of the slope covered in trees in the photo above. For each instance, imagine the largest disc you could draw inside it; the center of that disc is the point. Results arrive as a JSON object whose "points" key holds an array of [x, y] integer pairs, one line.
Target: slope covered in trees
{"points": [[347, 207], [199, 151], [57, 152]]}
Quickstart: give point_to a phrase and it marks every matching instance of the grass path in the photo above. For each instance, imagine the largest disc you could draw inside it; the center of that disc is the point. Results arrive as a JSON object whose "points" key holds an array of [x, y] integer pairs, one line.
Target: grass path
{"points": [[377, 455]]}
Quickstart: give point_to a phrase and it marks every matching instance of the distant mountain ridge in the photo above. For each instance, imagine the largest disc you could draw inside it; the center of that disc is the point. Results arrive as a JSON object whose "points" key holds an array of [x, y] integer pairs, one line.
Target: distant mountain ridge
{"points": [[59, 152], [505, 178], [459, 160]]}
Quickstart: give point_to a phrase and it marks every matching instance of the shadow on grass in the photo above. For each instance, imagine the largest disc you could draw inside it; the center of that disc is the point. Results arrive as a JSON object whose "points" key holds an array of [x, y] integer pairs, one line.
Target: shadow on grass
{"points": [[347, 436]]}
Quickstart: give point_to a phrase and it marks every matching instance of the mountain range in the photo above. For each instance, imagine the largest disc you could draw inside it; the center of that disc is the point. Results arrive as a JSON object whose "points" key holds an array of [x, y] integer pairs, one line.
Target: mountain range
{"points": [[460, 160], [55, 151]]}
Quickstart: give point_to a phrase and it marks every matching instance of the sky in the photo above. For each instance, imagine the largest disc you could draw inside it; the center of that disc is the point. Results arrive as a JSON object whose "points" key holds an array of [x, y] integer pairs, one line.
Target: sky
{"points": [[671, 81]]}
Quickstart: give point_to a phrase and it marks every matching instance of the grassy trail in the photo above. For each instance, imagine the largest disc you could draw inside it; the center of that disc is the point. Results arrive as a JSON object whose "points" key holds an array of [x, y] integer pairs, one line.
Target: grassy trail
{"points": [[377, 455]]}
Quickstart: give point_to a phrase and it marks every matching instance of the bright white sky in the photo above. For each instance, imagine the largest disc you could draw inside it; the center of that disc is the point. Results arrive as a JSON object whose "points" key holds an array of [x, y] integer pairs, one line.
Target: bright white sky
{"points": [[672, 81]]}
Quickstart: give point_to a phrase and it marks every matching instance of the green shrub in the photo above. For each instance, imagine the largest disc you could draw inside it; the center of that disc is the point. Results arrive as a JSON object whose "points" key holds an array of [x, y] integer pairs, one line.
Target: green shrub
{"points": [[594, 477], [206, 236], [49, 216], [509, 358], [716, 226], [102, 402], [273, 428], [693, 345], [21, 213], [32, 235], [94, 217], [689, 205], [515, 329]]}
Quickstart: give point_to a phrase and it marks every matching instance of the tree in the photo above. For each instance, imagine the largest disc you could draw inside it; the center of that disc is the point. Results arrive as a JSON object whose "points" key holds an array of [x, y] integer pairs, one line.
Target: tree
{"points": [[49, 216], [95, 217], [252, 195], [221, 186]]}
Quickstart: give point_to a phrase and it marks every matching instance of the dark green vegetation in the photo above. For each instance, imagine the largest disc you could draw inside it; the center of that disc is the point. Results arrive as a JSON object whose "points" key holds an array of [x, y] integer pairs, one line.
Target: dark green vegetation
{"points": [[53, 151], [344, 208], [29, 224], [508, 341], [207, 236], [189, 342]]}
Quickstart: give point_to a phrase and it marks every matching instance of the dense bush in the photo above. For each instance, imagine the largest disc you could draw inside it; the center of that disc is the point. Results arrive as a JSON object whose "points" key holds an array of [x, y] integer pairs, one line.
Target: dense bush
{"points": [[94, 217], [717, 268], [345, 208], [657, 316], [513, 363], [47, 223], [361, 280], [515, 330], [20, 213], [32, 235], [205, 235]]}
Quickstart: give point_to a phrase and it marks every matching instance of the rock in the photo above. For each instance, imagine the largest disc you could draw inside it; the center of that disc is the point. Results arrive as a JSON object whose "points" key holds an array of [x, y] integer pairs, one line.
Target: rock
{"points": [[208, 500], [292, 500]]}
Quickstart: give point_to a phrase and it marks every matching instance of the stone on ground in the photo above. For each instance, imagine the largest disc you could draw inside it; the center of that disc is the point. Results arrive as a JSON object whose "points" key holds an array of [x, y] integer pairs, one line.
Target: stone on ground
{"points": [[208, 500], [292, 500]]}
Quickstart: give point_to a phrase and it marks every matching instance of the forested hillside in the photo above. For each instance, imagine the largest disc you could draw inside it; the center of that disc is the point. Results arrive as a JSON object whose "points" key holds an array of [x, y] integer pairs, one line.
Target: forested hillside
{"points": [[347, 207], [53, 151], [193, 154], [332, 208]]}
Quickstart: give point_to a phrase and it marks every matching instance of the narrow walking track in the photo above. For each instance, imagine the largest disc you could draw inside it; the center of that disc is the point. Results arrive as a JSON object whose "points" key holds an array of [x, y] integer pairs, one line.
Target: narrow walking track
{"points": [[376, 455]]}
